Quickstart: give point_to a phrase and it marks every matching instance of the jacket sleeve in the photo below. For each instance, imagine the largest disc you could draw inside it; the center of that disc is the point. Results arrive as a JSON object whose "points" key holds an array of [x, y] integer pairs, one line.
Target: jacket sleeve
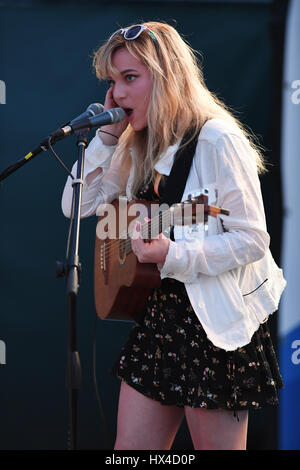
{"points": [[105, 187], [245, 238]]}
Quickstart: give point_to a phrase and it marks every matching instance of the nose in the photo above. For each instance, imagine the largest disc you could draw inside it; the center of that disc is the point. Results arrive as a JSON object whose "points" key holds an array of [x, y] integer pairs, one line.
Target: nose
{"points": [[119, 91]]}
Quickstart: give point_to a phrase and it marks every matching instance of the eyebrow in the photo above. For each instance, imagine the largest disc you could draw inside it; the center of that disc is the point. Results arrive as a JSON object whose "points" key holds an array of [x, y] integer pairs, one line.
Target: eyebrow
{"points": [[128, 70], [123, 72]]}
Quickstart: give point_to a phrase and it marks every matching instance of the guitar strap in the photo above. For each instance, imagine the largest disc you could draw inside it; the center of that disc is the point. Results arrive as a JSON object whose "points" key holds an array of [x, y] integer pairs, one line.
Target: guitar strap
{"points": [[174, 188]]}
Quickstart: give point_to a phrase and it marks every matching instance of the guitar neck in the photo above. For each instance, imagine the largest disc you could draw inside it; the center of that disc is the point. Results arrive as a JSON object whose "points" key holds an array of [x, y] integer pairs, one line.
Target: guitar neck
{"points": [[152, 228], [195, 210]]}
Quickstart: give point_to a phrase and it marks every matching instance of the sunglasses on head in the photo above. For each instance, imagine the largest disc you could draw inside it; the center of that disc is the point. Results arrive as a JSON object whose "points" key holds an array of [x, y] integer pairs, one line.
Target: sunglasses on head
{"points": [[133, 32]]}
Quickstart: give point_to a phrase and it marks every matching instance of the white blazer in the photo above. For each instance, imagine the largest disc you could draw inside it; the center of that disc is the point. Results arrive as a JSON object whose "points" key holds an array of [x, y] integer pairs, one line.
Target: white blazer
{"points": [[231, 278]]}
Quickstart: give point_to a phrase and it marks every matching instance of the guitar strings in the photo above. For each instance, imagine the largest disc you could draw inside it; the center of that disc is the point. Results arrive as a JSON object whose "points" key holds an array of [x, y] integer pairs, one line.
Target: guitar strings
{"points": [[154, 223]]}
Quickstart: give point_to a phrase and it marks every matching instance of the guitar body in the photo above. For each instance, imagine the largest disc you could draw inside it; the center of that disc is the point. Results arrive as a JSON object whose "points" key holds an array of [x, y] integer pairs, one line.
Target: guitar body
{"points": [[121, 284]]}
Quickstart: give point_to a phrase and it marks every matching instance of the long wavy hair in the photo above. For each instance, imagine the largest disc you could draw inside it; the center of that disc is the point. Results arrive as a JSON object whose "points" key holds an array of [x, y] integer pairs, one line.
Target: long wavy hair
{"points": [[179, 98]]}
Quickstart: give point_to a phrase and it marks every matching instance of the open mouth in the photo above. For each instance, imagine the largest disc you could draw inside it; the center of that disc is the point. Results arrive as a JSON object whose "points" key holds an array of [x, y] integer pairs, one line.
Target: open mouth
{"points": [[128, 111]]}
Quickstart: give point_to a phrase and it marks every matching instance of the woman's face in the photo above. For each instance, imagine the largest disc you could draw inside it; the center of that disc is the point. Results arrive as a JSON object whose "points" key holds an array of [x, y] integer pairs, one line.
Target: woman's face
{"points": [[131, 87]]}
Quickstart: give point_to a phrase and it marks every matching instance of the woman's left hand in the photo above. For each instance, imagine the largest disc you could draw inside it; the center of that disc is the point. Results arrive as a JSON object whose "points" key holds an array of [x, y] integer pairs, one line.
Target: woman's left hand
{"points": [[154, 251]]}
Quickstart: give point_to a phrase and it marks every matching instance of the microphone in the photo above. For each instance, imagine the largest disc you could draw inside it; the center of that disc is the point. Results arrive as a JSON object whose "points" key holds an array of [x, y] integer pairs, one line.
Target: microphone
{"points": [[92, 110], [111, 116]]}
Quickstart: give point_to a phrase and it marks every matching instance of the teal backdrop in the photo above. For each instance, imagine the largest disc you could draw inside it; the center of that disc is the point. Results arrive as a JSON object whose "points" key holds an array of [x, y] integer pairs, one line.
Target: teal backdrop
{"points": [[46, 64]]}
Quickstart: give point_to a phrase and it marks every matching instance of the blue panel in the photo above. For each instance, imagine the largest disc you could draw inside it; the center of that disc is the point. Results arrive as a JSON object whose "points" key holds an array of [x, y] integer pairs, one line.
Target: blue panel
{"points": [[289, 411]]}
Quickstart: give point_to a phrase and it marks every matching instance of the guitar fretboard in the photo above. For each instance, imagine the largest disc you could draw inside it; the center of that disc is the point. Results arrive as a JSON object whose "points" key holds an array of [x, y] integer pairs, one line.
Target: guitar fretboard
{"points": [[151, 229]]}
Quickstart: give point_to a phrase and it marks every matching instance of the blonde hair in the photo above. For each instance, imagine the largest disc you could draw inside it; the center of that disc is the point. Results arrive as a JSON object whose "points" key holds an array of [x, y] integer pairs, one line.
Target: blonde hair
{"points": [[179, 98]]}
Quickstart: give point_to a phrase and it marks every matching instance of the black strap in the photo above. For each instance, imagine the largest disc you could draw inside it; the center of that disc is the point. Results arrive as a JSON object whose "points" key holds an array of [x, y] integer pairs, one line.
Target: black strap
{"points": [[173, 191]]}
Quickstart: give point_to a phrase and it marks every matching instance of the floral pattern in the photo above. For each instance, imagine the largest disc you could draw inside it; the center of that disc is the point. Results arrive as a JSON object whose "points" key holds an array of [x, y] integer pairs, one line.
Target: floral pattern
{"points": [[169, 358]]}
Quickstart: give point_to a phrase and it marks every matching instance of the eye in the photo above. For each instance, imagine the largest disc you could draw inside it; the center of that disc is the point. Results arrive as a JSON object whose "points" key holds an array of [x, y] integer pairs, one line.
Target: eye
{"points": [[130, 77], [110, 83]]}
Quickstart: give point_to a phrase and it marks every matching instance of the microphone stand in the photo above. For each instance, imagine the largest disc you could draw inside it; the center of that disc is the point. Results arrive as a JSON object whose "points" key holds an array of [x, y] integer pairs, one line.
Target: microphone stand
{"points": [[71, 268]]}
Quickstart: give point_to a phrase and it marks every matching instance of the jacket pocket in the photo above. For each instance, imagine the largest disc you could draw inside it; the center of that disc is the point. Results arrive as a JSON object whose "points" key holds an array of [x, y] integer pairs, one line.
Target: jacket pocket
{"points": [[255, 301], [262, 284]]}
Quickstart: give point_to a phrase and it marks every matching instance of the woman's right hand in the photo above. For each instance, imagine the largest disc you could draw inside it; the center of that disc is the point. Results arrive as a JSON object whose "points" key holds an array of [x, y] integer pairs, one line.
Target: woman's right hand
{"points": [[115, 129]]}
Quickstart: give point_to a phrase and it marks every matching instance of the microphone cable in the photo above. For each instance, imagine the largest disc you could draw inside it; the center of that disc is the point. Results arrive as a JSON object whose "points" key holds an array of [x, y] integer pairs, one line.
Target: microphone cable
{"points": [[57, 158]]}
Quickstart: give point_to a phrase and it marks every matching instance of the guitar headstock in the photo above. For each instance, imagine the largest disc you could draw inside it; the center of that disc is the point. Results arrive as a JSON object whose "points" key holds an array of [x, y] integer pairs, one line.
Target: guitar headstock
{"points": [[193, 210]]}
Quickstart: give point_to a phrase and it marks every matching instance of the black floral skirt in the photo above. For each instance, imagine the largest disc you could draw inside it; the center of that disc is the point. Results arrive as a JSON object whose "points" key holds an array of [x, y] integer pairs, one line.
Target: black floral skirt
{"points": [[169, 358]]}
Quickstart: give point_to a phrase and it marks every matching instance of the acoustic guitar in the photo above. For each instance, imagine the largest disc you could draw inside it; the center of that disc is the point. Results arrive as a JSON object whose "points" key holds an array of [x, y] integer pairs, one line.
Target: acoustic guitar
{"points": [[121, 283]]}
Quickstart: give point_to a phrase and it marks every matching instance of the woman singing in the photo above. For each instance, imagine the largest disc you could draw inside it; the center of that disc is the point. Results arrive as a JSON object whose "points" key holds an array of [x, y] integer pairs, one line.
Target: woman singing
{"points": [[201, 348]]}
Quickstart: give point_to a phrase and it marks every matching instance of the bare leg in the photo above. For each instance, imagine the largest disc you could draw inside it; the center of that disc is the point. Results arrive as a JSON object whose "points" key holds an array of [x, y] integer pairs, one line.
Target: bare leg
{"points": [[145, 424], [217, 429]]}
